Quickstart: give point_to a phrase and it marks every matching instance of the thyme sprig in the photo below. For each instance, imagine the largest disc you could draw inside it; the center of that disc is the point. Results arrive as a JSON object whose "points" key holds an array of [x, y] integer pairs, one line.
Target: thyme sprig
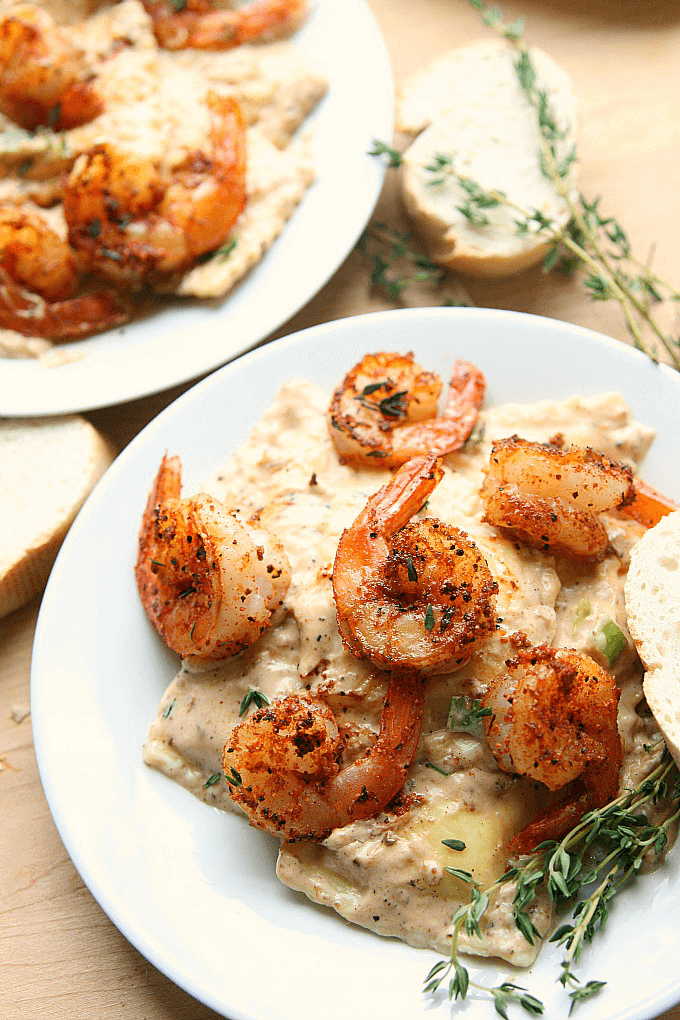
{"points": [[602, 853], [596, 242], [395, 265], [587, 239]]}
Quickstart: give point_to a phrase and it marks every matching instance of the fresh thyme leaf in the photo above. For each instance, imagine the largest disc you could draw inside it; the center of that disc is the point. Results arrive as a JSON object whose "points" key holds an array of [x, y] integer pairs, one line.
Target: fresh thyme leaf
{"points": [[214, 778], [373, 387], [429, 617], [394, 406], [431, 765], [233, 777], [54, 115], [464, 876], [253, 695], [382, 149], [454, 844], [584, 992], [411, 570]]}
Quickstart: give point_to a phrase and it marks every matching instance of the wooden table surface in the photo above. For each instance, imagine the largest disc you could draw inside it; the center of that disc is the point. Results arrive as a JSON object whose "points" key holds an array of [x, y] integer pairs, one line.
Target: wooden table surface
{"points": [[60, 956]]}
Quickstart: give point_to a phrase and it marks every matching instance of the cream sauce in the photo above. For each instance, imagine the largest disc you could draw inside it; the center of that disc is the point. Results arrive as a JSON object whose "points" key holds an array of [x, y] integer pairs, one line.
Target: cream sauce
{"points": [[154, 105], [388, 873]]}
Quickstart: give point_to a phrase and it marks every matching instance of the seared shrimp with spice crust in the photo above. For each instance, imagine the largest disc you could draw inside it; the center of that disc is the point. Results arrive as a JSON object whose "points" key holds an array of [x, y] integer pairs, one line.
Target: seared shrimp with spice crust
{"points": [[208, 582], [554, 719], [135, 223], [283, 764], [44, 78], [385, 411], [411, 594], [552, 498], [202, 24], [40, 279]]}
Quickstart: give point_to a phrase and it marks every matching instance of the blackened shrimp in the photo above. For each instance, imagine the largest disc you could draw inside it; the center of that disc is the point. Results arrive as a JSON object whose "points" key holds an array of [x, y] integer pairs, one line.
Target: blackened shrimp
{"points": [[202, 24], [552, 498], [385, 411], [554, 719], [40, 293], [411, 594], [135, 222], [44, 78], [283, 763], [208, 582]]}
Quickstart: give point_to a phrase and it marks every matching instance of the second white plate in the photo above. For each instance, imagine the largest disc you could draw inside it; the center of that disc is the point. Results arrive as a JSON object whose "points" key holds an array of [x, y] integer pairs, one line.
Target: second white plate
{"points": [[187, 339]]}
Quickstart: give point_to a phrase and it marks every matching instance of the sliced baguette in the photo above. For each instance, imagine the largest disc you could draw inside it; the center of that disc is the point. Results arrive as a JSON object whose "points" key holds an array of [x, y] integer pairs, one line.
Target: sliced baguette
{"points": [[652, 593], [48, 466], [469, 106]]}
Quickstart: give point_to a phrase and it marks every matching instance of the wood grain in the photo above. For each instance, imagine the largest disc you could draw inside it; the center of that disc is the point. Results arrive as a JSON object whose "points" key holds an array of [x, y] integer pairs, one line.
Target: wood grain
{"points": [[60, 956]]}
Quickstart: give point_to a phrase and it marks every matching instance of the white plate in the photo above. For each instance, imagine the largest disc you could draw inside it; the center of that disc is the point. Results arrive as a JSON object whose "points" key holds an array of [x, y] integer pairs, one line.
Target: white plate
{"points": [[194, 889], [188, 339]]}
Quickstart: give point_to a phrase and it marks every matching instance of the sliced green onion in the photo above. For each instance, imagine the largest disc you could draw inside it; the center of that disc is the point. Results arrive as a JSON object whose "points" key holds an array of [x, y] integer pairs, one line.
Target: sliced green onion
{"points": [[610, 640], [466, 714]]}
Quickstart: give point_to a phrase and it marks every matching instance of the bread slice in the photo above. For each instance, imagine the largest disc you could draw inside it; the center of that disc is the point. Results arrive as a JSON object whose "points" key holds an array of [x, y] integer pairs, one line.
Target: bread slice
{"points": [[48, 466], [652, 593], [469, 107]]}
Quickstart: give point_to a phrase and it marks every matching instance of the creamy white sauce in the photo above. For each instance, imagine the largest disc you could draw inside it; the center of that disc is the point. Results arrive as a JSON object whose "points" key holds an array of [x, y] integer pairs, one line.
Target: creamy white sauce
{"points": [[387, 873]]}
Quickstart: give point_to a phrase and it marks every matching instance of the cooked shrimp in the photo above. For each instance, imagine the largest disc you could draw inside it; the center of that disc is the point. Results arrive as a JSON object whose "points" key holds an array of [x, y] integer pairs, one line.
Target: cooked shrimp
{"points": [[551, 498], [555, 720], [283, 763], [39, 281], [208, 582], [135, 223], [385, 411], [44, 77], [416, 594], [200, 24]]}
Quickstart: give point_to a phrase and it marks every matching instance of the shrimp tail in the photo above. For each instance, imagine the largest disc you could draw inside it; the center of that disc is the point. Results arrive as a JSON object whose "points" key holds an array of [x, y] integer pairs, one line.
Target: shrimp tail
{"points": [[201, 26], [467, 389], [393, 506], [70, 319], [648, 505], [553, 822]]}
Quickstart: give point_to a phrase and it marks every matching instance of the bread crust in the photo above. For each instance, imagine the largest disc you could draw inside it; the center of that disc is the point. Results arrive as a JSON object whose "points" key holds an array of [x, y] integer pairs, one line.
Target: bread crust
{"points": [[48, 467], [652, 594]]}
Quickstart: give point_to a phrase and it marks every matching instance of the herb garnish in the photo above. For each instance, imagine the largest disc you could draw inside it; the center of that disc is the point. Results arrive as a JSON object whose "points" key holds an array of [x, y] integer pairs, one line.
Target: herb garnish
{"points": [[233, 777], [466, 714], [391, 406], [253, 695], [595, 861], [395, 265]]}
